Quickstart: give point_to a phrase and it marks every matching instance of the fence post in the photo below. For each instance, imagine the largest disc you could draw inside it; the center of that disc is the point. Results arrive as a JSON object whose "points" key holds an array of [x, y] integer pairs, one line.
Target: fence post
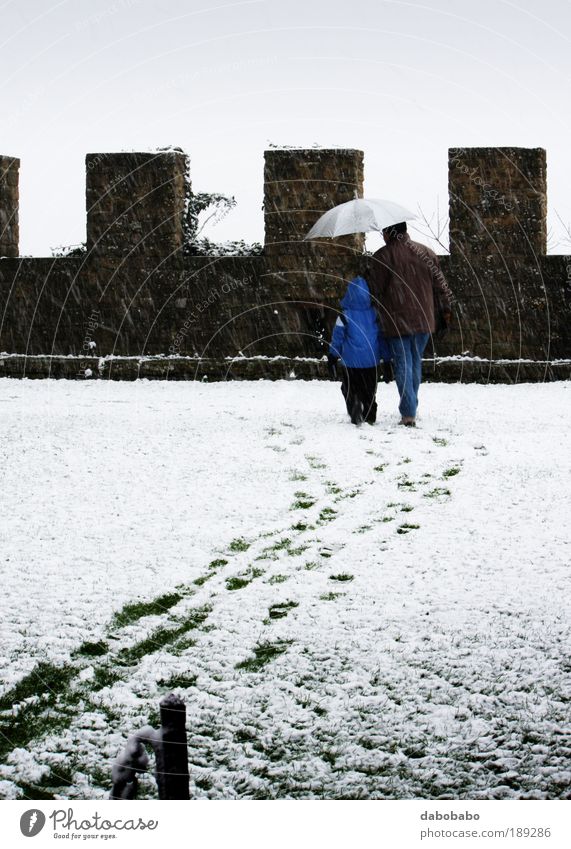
{"points": [[172, 753]]}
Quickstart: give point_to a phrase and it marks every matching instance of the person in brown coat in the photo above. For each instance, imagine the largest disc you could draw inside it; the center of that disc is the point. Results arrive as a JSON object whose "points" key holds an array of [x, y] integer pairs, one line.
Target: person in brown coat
{"points": [[411, 294]]}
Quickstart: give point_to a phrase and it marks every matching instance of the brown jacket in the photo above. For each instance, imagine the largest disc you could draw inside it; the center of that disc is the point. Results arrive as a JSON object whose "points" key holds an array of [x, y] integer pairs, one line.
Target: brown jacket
{"points": [[404, 279]]}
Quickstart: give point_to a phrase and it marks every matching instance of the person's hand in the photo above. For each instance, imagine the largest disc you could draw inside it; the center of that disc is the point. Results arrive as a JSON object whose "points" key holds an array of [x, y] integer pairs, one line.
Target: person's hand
{"points": [[332, 366], [387, 371]]}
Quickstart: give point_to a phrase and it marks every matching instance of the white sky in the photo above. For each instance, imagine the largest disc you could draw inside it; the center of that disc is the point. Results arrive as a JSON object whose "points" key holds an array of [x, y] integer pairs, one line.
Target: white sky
{"points": [[403, 81]]}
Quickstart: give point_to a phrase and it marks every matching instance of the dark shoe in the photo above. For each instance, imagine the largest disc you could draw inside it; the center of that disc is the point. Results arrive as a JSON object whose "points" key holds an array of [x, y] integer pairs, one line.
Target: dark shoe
{"points": [[371, 416], [408, 421], [357, 412], [387, 371]]}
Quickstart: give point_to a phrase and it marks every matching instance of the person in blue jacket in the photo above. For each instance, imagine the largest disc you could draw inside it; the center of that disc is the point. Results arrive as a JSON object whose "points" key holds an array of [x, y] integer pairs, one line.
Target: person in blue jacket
{"points": [[358, 343]]}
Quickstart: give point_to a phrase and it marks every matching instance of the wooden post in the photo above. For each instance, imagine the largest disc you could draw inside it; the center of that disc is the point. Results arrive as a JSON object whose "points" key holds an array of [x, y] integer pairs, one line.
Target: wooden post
{"points": [[172, 752], [171, 755]]}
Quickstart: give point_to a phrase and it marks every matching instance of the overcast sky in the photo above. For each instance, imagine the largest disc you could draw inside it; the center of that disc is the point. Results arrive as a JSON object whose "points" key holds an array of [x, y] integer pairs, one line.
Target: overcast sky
{"points": [[403, 81]]}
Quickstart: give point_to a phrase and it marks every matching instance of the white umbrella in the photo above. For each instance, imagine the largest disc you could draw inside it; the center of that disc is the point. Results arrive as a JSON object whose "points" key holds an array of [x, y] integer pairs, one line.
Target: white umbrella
{"points": [[359, 216]]}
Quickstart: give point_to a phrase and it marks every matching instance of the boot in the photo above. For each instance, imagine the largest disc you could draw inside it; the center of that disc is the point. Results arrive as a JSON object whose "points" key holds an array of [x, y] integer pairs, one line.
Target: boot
{"points": [[357, 412]]}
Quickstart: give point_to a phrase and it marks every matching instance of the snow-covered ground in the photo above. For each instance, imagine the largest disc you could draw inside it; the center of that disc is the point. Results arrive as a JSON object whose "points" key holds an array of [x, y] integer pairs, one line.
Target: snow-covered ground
{"points": [[348, 612]]}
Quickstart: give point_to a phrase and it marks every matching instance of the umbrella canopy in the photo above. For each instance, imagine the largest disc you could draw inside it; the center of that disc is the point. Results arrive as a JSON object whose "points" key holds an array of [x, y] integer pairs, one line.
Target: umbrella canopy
{"points": [[359, 216]]}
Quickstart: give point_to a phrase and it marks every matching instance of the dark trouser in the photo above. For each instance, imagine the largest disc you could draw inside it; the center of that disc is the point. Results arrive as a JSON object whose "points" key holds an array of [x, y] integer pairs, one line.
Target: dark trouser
{"points": [[407, 363], [359, 385]]}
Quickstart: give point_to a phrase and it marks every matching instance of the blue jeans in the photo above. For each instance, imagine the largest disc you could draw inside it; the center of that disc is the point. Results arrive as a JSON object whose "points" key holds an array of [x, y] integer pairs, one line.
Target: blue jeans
{"points": [[406, 352]]}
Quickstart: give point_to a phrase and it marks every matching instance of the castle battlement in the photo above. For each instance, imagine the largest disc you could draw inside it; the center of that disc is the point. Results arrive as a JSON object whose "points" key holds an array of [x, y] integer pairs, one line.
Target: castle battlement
{"points": [[148, 298]]}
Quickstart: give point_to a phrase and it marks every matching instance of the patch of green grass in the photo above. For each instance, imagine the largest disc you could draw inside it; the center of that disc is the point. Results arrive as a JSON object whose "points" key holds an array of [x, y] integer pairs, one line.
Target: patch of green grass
{"points": [[244, 735], [295, 552], [57, 777], [451, 472], [96, 649], [303, 501], [406, 508], [131, 613], [100, 776], [341, 576], [405, 460], [182, 644], [31, 724], [162, 637], [300, 526], [104, 676], [238, 545], [311, 566], [154, 717], [46, 679], [388, 518], [363, 529], [327, 515], [264, 653], [202, 580], [238, 582], [405, 483], [32, 791], [404, 529], [216, 564], [278, 579], [381, 467], [179, 680], [52, 710], [438, 440], [280, 545], [330, 596], [280, 610], [437, 492], [297, 476]]}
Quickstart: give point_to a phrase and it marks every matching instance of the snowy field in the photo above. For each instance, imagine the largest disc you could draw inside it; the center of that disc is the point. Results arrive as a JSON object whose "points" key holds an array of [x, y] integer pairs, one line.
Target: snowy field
{"points": [[348, 612]]}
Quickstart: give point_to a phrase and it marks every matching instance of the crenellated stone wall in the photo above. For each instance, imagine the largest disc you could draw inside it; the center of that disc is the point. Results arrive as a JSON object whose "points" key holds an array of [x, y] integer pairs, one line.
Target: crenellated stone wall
{"points": [[512, 300], [134, 293]]}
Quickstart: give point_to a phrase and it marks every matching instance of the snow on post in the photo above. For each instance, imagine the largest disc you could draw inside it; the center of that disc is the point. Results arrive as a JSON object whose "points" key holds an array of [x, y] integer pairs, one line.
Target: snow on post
{"points": [[170, 746]]}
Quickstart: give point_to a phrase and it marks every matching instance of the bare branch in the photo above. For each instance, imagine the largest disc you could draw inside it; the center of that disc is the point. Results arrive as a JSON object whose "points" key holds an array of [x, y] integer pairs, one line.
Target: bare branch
{"points": [[431, 228], [566, 229]]}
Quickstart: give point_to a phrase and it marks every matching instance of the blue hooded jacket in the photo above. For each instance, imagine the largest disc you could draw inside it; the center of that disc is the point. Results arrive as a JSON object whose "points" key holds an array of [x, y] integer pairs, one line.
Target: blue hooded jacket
{"points": [[357, 338]]}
